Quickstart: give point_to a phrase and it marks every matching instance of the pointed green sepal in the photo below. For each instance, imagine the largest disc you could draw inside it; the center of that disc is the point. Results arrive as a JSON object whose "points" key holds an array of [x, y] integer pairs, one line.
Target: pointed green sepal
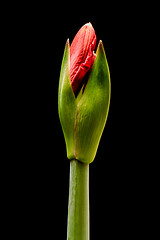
{"points": [[92, 109], [66, 103]]}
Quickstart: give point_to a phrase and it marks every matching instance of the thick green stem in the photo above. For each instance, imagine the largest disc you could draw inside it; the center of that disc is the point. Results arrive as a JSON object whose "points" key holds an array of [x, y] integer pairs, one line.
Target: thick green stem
{"points": [[78, 209]]}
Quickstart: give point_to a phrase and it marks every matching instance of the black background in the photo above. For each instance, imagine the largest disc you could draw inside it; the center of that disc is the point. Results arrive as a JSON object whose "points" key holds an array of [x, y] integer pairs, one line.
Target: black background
{"points": [[38, 171]]}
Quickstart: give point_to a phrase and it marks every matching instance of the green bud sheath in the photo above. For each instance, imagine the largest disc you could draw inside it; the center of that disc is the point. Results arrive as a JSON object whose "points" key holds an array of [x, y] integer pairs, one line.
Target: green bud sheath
{"points": [[83, 117]]}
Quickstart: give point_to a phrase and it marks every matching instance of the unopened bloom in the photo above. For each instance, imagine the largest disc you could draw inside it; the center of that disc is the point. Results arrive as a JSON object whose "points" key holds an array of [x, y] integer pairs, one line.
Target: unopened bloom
{"points": [[83, 111], [82, 55]]}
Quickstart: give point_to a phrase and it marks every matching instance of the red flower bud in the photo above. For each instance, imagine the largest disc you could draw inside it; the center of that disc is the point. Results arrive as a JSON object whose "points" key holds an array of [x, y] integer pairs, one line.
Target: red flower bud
{"points": [[81, 55]]}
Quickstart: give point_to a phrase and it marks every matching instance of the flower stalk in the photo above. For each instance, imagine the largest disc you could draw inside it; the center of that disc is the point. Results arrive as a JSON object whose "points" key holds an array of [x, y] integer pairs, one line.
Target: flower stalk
{"points": [[78, 209]]}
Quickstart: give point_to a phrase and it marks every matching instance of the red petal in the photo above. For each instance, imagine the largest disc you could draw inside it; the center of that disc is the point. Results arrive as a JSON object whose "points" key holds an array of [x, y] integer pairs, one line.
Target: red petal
{"points": [[81, 54]]}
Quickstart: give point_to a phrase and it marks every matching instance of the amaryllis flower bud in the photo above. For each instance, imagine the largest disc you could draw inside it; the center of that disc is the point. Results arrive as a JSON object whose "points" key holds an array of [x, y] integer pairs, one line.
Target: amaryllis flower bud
{"points": [[83, 115], [81, 55]]}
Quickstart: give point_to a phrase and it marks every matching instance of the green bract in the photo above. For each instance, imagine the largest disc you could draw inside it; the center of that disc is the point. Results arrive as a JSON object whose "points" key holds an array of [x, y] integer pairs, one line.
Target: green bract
{"points": [[83, 117]]}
